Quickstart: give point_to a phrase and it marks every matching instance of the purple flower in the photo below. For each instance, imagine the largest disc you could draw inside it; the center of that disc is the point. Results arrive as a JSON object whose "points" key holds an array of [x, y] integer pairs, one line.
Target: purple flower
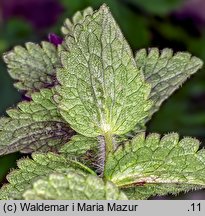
{"points": [[194, 10], [55, 39], [40, 13]]}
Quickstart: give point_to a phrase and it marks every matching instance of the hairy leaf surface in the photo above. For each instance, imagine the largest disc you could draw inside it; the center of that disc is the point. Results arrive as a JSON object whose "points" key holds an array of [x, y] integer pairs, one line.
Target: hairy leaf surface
{"points": [[143, 192], [152, 163], [165, 72], [29, 170], [33, 126], [79, 145], [84, 149], [78, 17], [73, 186], [33, 67], [101, 88]]}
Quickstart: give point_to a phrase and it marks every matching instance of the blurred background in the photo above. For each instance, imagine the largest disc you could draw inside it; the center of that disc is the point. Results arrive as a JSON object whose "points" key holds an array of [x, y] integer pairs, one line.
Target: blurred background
{"points": [[178, 24]]}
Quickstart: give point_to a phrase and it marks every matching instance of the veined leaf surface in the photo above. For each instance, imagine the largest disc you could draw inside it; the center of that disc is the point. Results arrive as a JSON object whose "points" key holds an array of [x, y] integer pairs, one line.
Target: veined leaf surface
{"points": [[102, 91]]}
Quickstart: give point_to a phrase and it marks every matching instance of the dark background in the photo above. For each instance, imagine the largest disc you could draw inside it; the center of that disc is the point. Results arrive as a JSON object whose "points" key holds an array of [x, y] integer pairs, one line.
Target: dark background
{"points": [[178, 24]]}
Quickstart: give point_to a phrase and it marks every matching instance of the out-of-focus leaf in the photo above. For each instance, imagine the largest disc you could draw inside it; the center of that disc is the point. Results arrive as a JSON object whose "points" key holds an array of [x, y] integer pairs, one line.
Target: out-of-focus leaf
{"points": [[159, 7], [73, 186]]}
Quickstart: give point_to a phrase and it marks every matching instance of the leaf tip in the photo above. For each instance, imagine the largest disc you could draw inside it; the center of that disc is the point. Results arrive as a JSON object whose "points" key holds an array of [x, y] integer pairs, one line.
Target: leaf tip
{"points": [[104, 8]]}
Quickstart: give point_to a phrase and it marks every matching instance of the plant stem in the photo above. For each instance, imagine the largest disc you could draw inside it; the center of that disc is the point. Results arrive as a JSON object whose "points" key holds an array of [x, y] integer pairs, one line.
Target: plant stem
{"points": [[109, 145], [106, 147]]}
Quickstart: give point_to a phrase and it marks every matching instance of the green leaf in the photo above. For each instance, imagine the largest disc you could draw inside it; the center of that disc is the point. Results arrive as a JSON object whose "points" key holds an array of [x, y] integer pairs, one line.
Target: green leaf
{"points": [[78, 145], [73, 186], [30, 170], [154, 165], [165, 72], [144, 192], [34, 67], [33, 126], [78, 17], [102, 91], [84, 149]]}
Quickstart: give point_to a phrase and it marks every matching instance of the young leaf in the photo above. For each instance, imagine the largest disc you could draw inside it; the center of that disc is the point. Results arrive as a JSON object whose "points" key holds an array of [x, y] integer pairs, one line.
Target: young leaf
{"points": [[157, 166], [73, 186], [78, 17], [34, 125], [34, 67], [29, 170], [78, 145], [165, 72], [102, 91], [84, 149]]}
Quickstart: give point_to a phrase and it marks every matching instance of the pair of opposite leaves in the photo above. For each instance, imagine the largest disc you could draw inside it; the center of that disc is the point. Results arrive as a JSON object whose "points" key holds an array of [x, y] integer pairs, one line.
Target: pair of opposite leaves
{"points": [[101, 86], [103, 91]]}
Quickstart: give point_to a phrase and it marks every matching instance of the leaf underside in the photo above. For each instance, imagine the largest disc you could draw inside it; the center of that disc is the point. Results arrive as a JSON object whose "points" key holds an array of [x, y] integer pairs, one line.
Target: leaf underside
{"points": [[33, 67], [73, 186], [33, 126], [30, 170], [165, 72], [152, 166], [101, 88]]}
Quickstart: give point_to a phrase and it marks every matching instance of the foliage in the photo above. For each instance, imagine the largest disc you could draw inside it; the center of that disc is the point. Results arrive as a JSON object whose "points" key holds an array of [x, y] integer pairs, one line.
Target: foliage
{"points": [[33, 126], [30, 170], [33, 66], [97, 88], [157, 166], [73, 186]]}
